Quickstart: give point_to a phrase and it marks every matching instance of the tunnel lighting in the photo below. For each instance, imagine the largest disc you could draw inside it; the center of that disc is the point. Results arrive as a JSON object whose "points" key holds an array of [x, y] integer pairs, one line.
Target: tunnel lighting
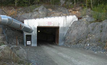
{"points": [[38, 30]]}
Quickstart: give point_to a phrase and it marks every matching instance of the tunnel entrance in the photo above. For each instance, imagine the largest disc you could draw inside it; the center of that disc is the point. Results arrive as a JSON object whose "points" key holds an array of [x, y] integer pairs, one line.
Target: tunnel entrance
{"points": [[47, 35]]}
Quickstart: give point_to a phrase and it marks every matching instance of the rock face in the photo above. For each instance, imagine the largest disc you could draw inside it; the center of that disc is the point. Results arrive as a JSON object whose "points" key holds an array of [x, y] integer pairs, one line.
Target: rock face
{"points": [[8, 57], [87, 34], [58, 11], [2, 12], [20, 52], [36, 13], [13, 36], [42, 11], [6, 53]]}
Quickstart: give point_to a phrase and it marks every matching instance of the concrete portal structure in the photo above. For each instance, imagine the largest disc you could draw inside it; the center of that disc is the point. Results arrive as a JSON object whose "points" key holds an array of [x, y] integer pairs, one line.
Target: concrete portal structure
{"points": [[62, 23]]}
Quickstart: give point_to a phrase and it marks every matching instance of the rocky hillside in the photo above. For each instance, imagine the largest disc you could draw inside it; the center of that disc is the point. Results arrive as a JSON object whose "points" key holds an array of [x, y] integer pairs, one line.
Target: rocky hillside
{"points": [[85, 33], [31, 12], [38, 11], [88, 34], [8, 57]]}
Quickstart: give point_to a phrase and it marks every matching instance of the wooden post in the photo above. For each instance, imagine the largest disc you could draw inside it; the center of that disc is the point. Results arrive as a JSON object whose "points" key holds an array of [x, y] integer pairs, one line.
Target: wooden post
{"points": [[57, 36]]}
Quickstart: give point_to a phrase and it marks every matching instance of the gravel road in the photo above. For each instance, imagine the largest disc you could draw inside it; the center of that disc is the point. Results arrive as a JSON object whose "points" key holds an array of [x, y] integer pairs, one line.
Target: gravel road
{"points": [[58, 55]]}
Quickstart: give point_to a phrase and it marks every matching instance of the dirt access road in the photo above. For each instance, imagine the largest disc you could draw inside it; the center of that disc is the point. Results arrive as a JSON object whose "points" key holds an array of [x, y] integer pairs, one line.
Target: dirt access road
{"points": [[57, 55]]}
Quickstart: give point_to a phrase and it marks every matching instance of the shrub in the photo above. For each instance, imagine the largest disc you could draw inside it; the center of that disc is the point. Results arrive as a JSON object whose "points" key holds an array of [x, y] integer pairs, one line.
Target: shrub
{"points": [[83, 12], [53, 2], [99, 16], [100, 8], [100, 12]]}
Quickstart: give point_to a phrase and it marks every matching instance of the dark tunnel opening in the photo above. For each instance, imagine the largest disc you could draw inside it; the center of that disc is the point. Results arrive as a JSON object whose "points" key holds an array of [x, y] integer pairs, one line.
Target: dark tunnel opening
{"points": [[47, 35]]}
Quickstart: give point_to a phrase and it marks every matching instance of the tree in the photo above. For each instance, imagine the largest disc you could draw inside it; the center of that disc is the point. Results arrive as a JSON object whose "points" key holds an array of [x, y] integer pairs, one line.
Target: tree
{"points": [[16, 2], [91, 3], [86, 3], [74, 2]]}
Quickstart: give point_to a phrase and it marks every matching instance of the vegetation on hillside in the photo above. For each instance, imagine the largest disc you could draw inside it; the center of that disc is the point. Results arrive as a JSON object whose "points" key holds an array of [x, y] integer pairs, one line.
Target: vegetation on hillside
{"points": [[98, 6], [88, 3]]}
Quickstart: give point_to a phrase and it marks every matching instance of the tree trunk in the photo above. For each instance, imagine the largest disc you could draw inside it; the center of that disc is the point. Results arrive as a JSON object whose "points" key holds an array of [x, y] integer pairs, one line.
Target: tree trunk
{"points": [[91, 3], [29, 2], [16, 3], [74, 2], [62, 2], [86, 3]]}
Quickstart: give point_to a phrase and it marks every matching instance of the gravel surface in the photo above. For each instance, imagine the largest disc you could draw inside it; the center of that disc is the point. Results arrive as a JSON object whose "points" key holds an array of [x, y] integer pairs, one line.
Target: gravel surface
{"points": [[37, 56], [58, 55]]}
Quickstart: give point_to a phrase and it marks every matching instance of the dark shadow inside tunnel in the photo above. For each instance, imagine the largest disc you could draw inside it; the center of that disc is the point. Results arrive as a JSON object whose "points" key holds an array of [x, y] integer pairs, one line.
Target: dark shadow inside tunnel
{"points": [[47, 35]]}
